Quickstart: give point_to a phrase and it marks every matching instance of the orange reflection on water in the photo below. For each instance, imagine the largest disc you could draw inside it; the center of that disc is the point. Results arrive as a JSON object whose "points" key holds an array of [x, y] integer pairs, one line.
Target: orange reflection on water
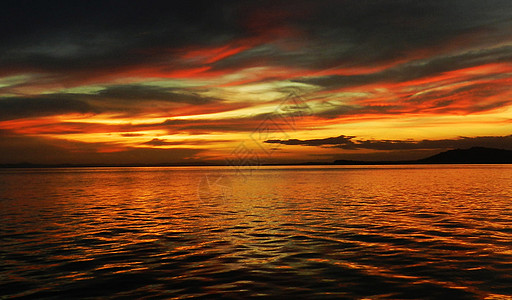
{"points": [[396, 227]]}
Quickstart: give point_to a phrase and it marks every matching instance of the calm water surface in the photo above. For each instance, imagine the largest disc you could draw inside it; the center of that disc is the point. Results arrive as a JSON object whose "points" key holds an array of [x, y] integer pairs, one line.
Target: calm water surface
{"points": [[390, 232]]}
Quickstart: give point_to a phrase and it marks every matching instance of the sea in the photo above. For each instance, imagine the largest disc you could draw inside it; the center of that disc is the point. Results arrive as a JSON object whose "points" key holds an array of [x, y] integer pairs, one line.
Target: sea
{"points": [[288, 232]]}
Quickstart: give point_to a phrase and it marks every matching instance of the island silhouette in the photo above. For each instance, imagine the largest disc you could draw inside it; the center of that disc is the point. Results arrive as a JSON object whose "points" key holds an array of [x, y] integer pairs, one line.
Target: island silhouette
{"points": [[474, 155]]}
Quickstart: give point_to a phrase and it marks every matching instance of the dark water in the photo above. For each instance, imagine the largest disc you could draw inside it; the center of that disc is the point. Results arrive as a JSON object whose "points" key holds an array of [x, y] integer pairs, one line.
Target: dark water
{"points": [[289, 232]]}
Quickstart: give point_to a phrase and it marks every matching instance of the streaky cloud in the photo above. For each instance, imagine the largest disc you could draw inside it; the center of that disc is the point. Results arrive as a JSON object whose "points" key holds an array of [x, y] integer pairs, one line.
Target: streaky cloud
{"points": [[352, 143]]}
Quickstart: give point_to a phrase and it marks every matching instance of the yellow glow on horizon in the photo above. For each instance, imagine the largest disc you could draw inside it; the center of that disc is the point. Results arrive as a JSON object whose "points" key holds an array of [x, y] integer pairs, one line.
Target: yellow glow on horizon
{"points": [[425, 127], [112, 119], [238, 113]]}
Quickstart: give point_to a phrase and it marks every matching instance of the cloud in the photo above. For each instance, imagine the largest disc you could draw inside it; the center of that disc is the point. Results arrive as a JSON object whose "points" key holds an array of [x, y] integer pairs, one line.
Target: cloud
{"points": [[93, 36], [351, 143], [128, 98], [23, 107], [343, 33], [54, 126], [17, 149], [134, 92], [339, 140], [422, 68], [131, 134], [106, 34], [162, 142], [169, 59], [159, 142]]}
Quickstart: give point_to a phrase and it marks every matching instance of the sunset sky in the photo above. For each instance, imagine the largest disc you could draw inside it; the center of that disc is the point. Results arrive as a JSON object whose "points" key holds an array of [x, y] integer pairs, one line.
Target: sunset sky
{"points": [[145, 82]]}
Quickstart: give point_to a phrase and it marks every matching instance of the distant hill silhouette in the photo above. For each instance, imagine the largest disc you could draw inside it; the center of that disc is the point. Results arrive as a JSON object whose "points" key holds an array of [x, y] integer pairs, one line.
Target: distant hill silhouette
{"points": [[474, 155]]}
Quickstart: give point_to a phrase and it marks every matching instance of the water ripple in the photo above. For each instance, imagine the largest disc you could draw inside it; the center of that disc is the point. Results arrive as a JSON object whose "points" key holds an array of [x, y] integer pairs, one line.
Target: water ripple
{"points": [[309, 233]]}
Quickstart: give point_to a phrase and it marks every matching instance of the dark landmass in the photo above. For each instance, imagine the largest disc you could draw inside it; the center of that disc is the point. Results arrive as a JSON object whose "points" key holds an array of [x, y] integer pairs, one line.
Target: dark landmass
{"points": [[475, 155]]}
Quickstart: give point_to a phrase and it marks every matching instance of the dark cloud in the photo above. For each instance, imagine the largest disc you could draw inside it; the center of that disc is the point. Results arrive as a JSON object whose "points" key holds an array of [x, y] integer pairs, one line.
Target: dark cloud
{"points": [[130, 98], [162, 142], [351, 143], [134, 92], [130, 134], [159, 142], [84, 35], [23, 107], [415, 69], [339, 140], [104, 35], [19, 149], [362, 33]]}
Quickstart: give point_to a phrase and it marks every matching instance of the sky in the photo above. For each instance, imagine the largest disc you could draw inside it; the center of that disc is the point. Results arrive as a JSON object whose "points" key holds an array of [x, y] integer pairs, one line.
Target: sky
{"points": [[245, 82]]}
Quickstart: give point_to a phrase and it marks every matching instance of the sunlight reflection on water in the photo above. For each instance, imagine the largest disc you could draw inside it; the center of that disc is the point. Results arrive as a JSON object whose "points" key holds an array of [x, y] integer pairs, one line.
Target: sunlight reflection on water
{"points": [[309, 232]]}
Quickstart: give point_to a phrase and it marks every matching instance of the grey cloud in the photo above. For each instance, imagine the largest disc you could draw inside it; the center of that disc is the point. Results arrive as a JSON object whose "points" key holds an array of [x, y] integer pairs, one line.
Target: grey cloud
{"points": [[84, 35], [119, 98], [339, 140], [105, 35], [159, 142], [352, 143], [415, 69], [162, 142], [23, 107], [152, 93], [365, 33], [131, 134]]}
